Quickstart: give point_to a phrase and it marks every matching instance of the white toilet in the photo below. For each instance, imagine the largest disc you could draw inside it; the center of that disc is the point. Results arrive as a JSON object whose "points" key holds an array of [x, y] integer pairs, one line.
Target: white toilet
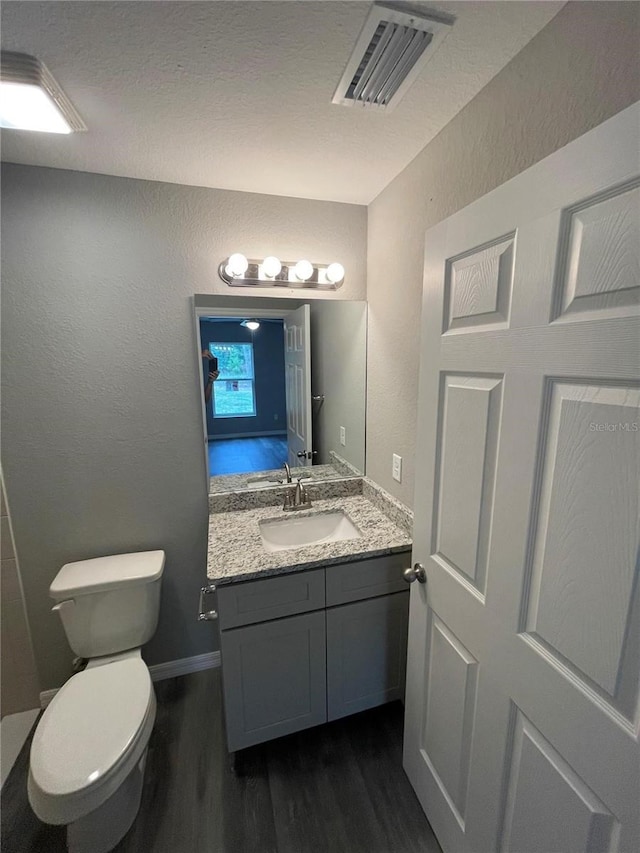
{"points": [[89, 749]]}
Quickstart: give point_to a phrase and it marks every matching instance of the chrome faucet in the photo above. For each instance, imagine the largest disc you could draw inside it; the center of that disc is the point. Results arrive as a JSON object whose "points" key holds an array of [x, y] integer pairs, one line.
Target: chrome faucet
{"points": [[288, 470], [296, 498]]}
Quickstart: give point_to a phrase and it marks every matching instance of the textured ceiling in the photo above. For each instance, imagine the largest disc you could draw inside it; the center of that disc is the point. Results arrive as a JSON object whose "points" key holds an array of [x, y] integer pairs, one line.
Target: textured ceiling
{"points": [[237, 95]]}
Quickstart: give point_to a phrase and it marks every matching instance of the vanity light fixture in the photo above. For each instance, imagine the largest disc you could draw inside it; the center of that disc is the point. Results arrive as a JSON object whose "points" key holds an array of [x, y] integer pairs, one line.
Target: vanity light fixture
{"points": [[335, 273], [236, 265], [238, 271], [30, 99], [271, 266], [251, 324], [303, 270]]}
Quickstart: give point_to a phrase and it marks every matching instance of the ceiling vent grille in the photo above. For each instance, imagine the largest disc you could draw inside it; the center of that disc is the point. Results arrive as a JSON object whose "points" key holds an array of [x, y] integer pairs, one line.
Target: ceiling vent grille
{"points": [[393, 47]]}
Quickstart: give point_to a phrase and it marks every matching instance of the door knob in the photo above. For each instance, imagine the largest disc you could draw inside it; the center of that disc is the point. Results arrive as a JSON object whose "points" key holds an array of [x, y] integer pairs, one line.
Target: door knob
{"points": [[417, 573]]}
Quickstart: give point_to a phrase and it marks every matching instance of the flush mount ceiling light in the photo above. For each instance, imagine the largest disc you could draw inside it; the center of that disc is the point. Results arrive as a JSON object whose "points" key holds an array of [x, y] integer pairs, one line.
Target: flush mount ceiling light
{"points": [[239, 271], [251, 324], [395, 44], [30, 99]]}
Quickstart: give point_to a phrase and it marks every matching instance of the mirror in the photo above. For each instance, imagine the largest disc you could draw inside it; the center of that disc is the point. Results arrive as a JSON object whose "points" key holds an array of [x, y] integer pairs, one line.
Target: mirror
{"points": [[281, 381]]}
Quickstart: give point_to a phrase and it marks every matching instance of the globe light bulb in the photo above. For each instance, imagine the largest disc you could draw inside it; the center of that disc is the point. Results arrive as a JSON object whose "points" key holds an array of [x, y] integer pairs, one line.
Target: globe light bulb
{"points": [[335, 273], [237, 265], [303, 270], [271, 266]]}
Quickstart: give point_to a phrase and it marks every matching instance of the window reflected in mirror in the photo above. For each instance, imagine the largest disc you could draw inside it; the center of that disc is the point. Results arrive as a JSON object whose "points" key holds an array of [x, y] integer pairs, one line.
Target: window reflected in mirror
{"points": [[287, 385]]}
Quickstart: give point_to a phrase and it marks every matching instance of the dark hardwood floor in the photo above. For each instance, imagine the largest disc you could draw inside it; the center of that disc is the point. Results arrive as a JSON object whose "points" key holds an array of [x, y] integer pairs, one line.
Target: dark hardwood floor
{"points": [[243, 455], [338, 788]]}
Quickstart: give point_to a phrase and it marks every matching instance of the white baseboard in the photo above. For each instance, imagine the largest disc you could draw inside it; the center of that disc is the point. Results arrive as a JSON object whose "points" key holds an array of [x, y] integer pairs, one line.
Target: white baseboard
{"points": [[183, 666], [263, 434], [160, 671], [46, 696]]}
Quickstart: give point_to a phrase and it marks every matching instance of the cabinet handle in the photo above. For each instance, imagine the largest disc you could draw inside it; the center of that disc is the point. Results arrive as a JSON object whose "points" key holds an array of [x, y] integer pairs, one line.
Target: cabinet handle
{"points": [[417, 573], [206, 615]]}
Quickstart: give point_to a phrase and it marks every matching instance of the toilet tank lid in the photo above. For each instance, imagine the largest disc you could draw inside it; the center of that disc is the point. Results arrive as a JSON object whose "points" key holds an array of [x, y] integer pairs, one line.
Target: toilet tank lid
{"points": [[103, 573]]}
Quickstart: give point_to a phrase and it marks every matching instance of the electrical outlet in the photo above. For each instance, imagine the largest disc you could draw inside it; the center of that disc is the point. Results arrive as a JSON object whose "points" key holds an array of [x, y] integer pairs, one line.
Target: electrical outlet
{"points": [[343, 436], [396, 468]]}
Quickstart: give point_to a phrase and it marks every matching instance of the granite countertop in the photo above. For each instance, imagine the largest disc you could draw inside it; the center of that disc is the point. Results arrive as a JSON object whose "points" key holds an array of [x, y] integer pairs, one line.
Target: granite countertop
{"points": [[274, 477], [236, 553], [337, 468]]}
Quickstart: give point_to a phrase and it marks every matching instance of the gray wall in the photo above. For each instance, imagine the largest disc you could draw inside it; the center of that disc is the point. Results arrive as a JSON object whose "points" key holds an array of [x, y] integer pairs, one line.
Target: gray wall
{"points": [[578, 71], [19, 688], [101, 418], [268, 365], [338, 370]]}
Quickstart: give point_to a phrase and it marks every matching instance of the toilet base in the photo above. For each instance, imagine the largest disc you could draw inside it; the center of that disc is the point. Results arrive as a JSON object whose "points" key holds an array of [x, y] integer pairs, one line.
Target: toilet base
{"points": [[102, 829]]}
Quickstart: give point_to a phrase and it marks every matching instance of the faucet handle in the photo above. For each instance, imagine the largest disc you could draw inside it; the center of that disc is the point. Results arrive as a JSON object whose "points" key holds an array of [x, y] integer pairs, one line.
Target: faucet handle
{"points": [[304, 496]]}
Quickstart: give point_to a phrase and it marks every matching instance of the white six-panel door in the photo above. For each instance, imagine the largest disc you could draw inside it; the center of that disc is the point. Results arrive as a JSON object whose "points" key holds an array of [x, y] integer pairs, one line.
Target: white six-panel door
{"points": [[297, 365], [522, 706]]}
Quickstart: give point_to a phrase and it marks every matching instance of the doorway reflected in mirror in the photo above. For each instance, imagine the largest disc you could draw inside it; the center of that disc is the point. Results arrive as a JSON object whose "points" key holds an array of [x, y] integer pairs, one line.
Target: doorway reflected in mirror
{"points": [[289, 386]]}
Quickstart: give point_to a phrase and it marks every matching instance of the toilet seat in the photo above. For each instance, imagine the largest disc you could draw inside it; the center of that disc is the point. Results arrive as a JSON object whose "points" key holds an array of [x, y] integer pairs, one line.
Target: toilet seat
{"points": [[89, 738]]}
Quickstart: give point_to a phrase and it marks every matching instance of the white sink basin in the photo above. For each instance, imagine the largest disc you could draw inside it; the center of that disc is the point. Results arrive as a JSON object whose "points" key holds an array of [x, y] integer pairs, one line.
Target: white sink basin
{"points": [[289, 533]]}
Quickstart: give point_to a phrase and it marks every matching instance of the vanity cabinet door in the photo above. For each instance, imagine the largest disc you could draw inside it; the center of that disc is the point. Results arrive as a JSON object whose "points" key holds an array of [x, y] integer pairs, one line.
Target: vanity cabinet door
{"points": [[366, 654], [274, 678]]}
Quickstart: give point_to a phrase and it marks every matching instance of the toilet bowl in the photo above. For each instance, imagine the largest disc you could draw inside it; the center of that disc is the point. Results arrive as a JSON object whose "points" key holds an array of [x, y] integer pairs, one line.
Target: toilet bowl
{"points": [[89, 749]]}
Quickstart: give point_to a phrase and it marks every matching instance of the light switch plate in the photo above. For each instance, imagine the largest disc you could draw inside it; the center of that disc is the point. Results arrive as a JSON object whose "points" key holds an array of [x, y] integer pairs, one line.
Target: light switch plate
{"points": [[396, 469], [343, 436]]}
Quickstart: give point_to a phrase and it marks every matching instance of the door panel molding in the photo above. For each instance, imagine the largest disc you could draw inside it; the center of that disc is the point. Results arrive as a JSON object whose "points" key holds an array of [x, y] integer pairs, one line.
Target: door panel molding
{"points": [[576, 819], [602, 278], [450, 709], [466, 453], [478, 286], [588, 618]]}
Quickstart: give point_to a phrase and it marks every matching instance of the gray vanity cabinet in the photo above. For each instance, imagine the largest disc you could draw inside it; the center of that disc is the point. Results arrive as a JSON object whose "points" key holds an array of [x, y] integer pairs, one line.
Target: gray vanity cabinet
{"points": [[274, 678], [303, 648], [366, 654]]}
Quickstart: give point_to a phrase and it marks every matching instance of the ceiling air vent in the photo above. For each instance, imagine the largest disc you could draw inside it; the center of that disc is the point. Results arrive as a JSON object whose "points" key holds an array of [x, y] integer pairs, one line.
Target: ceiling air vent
{"points": [[393, 47]]}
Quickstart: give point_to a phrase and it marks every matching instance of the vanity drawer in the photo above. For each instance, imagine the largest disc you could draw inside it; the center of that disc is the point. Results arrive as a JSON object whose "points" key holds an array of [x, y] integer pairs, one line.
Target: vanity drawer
{"points": [[366, 578], [271, 598]]}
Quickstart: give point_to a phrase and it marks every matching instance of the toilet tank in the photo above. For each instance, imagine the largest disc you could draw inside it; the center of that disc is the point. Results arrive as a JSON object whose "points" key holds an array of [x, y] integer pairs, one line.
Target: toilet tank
{"points": [[109, 604]]}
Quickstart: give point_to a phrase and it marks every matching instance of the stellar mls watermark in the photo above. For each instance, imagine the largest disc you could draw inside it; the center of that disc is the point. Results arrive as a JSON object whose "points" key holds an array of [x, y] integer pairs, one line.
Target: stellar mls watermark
{"points": [[620, 426]]}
